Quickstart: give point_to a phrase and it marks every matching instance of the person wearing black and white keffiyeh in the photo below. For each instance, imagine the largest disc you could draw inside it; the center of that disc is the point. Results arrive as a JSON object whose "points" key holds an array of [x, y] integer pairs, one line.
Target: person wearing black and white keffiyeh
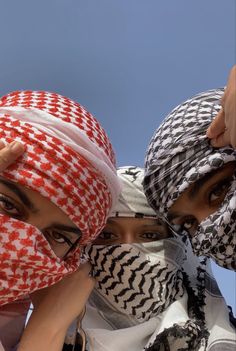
{"points": [[192, 184], [150, 296]]}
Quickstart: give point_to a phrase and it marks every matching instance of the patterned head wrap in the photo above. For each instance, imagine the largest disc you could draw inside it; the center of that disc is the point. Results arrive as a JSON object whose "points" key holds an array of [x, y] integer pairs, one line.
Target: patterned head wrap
{"points": [[68, 160], [152, 296], [138, 280], [178, 155], [132, 202]]}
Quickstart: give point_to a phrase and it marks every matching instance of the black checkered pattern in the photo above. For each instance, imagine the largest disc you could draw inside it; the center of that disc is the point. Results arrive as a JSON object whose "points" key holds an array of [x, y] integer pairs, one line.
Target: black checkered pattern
{"points": [[179, 154]]}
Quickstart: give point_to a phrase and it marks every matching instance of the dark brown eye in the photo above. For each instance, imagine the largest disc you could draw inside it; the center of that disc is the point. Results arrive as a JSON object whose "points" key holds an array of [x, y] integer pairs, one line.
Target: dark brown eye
{"points": [[105, 235], [219, 192], [155, 235], [58, 237], [55, 236], [8, 207]]}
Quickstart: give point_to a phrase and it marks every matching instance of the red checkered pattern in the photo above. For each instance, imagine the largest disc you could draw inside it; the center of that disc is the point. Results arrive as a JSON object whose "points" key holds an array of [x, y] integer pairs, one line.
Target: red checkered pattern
{"points": [[65, 109], [60, 174], [27, 262]]}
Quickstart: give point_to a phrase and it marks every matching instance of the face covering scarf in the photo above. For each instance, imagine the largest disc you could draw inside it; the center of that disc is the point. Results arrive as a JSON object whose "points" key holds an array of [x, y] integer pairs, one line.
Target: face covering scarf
{"points": [[151, 296], [68, 160], [139, 280], [155, 296], [178, 155]]}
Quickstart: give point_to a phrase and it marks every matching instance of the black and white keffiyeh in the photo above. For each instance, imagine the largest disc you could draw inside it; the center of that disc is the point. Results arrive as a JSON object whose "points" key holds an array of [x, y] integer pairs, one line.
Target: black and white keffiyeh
{"points": [[178, 155], [155, 296], [137, 307], [140, 280]]}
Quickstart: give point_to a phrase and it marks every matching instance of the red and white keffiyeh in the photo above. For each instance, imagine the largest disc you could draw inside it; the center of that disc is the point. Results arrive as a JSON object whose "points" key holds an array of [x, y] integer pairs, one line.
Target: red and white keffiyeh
{"points": [[69, 160]]}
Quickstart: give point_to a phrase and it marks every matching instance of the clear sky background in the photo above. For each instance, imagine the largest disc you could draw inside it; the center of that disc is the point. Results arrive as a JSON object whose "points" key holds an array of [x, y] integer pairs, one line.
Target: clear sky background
{"points": [[128, 61]]}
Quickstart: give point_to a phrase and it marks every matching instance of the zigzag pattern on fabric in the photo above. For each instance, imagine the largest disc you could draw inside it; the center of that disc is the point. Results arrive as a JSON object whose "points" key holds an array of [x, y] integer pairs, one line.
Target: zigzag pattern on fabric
{"points": [[134, 292]]}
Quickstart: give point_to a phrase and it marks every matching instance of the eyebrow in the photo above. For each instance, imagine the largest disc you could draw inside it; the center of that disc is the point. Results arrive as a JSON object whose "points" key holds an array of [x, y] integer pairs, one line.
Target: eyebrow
{"points": [[20, 194], [154, 224], [199, 183], [26, 201]]}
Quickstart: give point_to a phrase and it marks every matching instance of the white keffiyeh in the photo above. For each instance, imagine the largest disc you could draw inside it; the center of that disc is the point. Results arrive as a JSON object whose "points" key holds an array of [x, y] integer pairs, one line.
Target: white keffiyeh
{"points": [[132, 201], [156, 296]]}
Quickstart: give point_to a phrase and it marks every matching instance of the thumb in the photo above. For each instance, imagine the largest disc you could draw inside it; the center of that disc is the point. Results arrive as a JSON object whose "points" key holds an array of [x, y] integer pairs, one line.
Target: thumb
{"points": [[9, 154], [217, 126]]}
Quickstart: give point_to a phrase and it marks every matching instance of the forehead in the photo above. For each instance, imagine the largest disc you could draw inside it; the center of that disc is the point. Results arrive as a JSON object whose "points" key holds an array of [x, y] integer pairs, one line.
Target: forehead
{"points": [[132, 221]]}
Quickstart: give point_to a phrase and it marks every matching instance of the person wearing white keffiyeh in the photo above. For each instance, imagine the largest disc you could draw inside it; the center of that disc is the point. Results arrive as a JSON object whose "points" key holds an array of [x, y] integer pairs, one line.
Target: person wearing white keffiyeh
{"points": [[152, 293]]}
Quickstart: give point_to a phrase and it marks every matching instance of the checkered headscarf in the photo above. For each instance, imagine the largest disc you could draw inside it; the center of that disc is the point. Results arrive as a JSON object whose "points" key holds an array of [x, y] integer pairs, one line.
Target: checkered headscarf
{"points": [[70, 161], [132, 202], [178, 155], [69, 157]]}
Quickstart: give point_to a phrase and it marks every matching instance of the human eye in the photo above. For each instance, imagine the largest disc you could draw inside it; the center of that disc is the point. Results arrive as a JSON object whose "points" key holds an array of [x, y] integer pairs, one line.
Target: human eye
{"points": [[218, 191], [54, 236], [61, 242], [8, 207], [106, 237], [152, 236]]}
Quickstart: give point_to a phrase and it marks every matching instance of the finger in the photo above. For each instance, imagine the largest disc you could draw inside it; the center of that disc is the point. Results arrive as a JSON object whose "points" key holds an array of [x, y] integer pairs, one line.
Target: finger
{"points": [[2, 145], [217, 126], [9, 154], [222, 140]]}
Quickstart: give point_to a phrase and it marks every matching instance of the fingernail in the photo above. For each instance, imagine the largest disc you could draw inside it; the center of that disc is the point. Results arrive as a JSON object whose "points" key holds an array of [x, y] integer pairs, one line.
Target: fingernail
{"points": [[17, 147]]}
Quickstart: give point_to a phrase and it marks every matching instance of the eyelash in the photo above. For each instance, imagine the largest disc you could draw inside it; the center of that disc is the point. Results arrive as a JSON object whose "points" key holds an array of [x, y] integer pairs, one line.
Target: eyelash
{"points": [[103, 235], [49, 234], [6, 201], [222, 186], [155, 235]]}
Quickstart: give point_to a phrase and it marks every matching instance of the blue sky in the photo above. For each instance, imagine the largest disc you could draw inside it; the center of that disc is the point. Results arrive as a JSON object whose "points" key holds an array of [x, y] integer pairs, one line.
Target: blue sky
{"points": [[128, 61]]}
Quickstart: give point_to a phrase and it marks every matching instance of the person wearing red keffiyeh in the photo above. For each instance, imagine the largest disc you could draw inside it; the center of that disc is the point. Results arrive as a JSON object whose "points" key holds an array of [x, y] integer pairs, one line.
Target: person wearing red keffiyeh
{"points": [[57, 197]]}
